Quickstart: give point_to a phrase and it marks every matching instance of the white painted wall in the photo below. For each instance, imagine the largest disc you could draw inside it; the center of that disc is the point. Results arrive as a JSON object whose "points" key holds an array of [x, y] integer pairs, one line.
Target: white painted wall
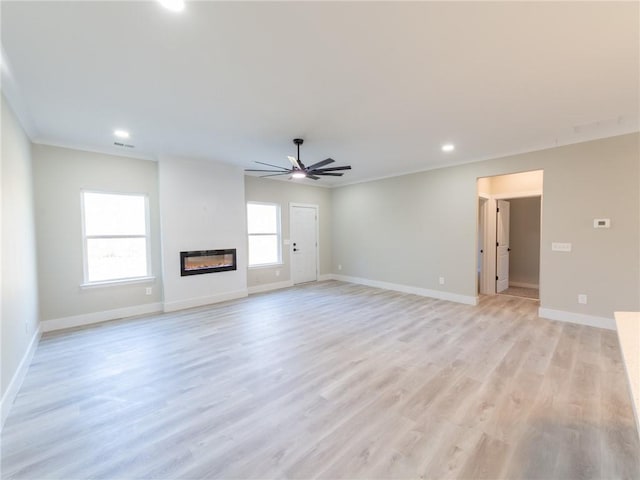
{"points": [[19, 285], [60, 174], [202, 208], [283, 193], [410, 230]]}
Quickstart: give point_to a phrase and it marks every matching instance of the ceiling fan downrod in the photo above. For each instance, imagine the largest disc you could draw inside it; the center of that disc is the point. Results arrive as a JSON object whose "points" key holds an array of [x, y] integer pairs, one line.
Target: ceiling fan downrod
{"points": [[298, 142]]}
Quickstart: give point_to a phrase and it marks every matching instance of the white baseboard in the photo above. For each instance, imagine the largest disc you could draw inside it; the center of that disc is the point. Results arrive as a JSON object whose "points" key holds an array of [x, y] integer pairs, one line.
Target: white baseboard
{"points": [[579, 318], [18, 377], [524, 285], [423, 292], [201, 301], [97, 317], [326, 276], [267, 287]]}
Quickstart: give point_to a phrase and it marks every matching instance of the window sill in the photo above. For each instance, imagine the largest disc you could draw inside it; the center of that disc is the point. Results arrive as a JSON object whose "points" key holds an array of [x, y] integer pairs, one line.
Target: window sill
{"points": [[266, 265], [115, 283]]}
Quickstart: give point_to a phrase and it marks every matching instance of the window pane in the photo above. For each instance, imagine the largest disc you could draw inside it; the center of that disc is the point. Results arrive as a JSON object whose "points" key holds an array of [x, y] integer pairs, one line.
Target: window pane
{"points": [[262, 218], [263, 249], [114, 258], [109, 214]]}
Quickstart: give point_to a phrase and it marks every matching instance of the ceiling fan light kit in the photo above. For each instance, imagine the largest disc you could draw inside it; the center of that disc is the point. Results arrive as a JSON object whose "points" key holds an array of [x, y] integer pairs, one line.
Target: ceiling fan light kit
{"points": [[299, 170]]}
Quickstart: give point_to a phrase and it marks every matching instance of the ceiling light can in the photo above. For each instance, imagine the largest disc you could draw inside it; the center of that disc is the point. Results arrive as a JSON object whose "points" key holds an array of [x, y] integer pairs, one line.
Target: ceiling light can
{"points": [[121, 133], [448, 147], [173, 5]]}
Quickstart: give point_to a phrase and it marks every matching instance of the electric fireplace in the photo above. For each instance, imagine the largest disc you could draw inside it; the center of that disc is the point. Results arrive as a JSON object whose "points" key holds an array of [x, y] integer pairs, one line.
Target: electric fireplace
{"points": [[198, 262]]}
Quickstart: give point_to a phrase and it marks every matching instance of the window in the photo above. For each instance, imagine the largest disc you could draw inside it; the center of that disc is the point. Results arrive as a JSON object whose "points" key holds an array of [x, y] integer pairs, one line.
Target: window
{"points": [[263, 225], [116, 236]]}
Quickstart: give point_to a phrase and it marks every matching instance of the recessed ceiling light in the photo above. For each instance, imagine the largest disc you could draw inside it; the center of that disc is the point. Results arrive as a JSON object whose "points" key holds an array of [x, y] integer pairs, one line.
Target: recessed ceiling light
{"points": [[298, 175], [448, 147], [173, 5], [121, 134]]}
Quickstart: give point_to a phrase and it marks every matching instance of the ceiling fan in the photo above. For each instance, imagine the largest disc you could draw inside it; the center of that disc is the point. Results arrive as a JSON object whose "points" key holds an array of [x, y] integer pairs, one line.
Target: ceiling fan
{"points": [[299, 170]]}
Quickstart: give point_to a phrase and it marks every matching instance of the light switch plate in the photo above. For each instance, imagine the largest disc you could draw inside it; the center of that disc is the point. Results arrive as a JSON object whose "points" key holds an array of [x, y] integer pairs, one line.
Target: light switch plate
{"points": [[560, 247]]}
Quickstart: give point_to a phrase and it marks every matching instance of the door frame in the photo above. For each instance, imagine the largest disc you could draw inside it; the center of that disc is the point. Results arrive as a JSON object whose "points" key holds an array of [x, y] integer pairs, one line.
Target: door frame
{"points": [[292, 205], [483, 229], [487, 282]]}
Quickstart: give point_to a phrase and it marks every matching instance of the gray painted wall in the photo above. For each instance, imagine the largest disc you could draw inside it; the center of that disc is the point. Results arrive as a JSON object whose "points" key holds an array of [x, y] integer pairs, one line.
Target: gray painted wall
{"points": [[524, 241], [280, 192], [60, 174], [412, 229], [19, 285]]}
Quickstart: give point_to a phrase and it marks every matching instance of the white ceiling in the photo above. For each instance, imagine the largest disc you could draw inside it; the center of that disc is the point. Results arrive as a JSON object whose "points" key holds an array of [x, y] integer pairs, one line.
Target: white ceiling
{"points": [[379, 86]]}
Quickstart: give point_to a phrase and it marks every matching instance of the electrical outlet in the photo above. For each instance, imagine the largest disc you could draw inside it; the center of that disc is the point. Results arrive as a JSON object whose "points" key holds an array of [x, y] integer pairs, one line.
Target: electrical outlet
{"points": [[340, 267], [582, 298], [277, 273], [441, 280], [148, 290]]}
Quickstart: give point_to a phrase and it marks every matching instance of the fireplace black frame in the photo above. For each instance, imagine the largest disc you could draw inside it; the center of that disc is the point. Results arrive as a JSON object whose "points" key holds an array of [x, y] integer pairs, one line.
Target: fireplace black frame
{"points": [[207, 253]]}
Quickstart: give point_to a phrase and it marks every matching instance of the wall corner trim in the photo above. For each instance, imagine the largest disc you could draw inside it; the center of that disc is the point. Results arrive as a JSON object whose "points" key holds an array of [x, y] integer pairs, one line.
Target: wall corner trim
{"points": [[18, 377], [206, 300], [267, 287], [578, 318], [423, 292], [97, 317]]}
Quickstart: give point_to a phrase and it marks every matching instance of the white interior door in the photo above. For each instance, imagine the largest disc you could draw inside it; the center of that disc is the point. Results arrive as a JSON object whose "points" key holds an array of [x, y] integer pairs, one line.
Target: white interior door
{"points": [[502, 248], [482, 203], [304, 247]]}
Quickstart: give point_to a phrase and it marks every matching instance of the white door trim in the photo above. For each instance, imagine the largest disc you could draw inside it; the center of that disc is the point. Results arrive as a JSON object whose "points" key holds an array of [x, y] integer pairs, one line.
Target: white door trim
{"points": [[292, 205], [524, 194], [490, 249], [486, 285]]}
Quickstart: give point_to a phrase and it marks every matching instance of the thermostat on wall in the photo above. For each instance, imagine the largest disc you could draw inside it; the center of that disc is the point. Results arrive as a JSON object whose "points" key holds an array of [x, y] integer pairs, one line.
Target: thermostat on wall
{"points": [[601, 223]]}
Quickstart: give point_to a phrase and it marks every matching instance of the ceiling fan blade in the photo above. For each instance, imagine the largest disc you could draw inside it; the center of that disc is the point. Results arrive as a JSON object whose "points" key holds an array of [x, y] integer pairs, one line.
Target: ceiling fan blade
{"points": [[277, 166], [293, 161], [312, 177], [333, 169], [331, 174], [274, 174], [321, 164], [257, 170]]}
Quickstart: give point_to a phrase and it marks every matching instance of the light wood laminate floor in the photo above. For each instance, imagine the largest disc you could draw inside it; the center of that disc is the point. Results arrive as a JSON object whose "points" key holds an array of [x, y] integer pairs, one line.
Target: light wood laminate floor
{"points": [[328, 380]]}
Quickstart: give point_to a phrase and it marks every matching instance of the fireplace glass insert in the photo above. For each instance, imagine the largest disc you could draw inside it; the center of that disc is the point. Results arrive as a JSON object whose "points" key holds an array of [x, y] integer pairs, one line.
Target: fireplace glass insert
{"points": [[207, 261]]}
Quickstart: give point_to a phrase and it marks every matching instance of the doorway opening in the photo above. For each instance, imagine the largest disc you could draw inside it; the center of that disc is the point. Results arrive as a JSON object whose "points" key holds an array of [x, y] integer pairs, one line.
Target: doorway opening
{"points": [[509, 226]]}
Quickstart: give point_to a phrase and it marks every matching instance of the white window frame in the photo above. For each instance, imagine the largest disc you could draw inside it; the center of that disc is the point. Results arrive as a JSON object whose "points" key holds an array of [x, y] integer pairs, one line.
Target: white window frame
{"points": [[278, 233], [85, 260]]}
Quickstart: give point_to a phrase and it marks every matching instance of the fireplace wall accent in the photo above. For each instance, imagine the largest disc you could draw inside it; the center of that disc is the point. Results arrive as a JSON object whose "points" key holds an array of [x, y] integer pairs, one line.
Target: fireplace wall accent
{"points": [[198, 262]]}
